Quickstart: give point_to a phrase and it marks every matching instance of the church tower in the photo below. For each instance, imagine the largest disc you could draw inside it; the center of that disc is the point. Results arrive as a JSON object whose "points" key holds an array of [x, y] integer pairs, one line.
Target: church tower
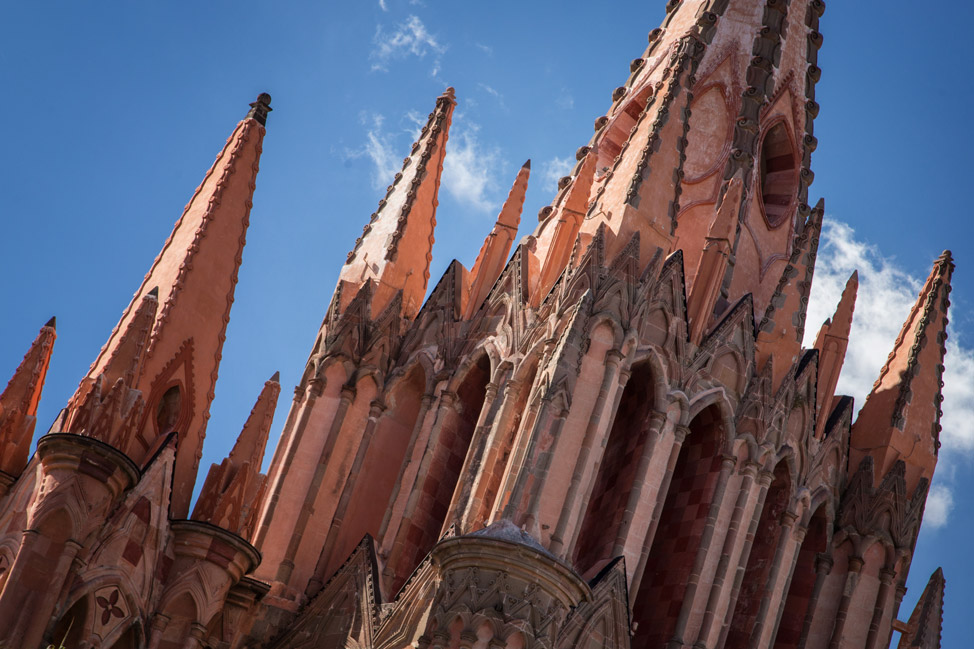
{"points": [[605, 434]]}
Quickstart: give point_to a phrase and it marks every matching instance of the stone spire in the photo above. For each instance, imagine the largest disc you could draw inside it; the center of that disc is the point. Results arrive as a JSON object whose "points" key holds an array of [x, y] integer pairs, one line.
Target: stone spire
{"points": [[901, 417], [781, 330], [194, 276], [924, 628], [396, 246], [560, 224], [493, 254], [832, 342], [233, 489], [18, 404]]}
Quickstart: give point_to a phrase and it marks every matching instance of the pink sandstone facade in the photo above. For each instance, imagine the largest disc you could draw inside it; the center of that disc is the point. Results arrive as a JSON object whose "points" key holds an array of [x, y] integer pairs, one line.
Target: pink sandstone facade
{"points": [[610, 438]]}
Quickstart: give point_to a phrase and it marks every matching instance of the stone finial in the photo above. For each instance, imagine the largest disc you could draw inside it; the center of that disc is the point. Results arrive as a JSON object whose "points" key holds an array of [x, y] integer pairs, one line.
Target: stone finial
{"points": [[832, 342], [260, 108]]}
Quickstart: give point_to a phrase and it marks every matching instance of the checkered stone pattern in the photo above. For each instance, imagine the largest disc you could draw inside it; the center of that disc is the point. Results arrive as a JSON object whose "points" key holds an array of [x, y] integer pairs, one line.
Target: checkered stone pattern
{"points": [[677, 539]]}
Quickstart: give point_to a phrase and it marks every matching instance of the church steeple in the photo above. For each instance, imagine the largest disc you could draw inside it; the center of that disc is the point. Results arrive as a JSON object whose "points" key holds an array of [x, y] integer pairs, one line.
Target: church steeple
{"points": [[18, 404], [901, 417], [832, 342], [396, 246], [193, 278]]}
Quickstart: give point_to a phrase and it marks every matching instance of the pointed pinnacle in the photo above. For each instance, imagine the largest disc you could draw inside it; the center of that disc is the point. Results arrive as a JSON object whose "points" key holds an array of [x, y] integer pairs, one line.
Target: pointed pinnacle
{"points": [[260, 108], [276, 378], [52, 323], [154, 292], [527, 165]]}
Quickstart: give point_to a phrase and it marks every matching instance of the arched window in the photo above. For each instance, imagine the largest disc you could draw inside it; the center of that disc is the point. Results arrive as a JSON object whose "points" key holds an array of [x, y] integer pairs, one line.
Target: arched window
{"points": [[778, 168]]}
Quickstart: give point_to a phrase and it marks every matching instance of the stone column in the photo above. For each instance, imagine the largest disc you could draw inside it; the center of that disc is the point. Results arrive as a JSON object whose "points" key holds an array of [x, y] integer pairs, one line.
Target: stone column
{"points": [[331, 540], [492, 439], [679, 434], [786, 542], [748, 473], [851, 581], [765, 478], [156, 628], [346, 397], [886, 577], [706, 539], [613, 357], [642, 480], [823, 566]]}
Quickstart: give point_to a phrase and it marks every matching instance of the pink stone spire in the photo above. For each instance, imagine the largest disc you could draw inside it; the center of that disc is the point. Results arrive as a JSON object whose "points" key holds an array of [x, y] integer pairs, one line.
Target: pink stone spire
{"points": [[396, 246], [901, 417], [195, 274], [924, 629], [493, 254], [233, 489], [18, 402], [831, 342], [559, 228]]}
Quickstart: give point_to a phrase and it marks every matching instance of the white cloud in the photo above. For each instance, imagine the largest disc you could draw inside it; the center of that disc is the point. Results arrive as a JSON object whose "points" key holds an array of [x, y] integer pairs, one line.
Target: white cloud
{"points": [[493, 93], [565, 100], [469, 168], [383, 5], [886, 294], [553, 170], [486, 49], [940, 502], [410, 38], [379, 147]]}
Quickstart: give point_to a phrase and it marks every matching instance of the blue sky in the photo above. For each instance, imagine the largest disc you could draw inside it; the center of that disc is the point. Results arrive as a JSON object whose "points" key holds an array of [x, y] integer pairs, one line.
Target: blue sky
{"points": [[114, 111]]}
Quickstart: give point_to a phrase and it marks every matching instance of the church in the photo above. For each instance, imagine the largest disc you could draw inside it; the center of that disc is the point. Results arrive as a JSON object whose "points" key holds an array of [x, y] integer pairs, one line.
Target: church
{"points": [[606, 434]]}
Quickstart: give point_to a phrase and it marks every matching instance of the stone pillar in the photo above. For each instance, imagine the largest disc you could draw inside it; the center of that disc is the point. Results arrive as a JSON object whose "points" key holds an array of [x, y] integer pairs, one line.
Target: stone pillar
{"points": [[851, 581], [748, 473], [679, 434], [493, 439], [424, 408], [823, 566], [346, 397], [642, 481], [706, 540], [336, 522], [765, 479], [886, 577], [613, 358], [787, 542]]}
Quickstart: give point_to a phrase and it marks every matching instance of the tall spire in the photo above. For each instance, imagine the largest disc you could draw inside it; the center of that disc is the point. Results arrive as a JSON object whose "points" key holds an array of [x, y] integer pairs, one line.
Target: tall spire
{"points": [[18, 402], [901, 416], [194, 275], [396, 246], [924, 629], [559, 228], [232, 490], [493, 254], [831, 342]]}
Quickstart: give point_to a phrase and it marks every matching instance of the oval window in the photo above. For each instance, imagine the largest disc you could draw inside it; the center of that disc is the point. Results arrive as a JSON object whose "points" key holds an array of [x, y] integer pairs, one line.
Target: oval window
{"points": [[779, 177]]}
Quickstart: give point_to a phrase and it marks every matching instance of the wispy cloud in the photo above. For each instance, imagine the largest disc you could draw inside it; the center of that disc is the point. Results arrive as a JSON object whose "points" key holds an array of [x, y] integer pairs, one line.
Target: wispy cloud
{"points": [[379, 148], [886, 294], [469, 171], [486, 49], [565, 101], [553, 170], [410, 38], [383, 5], [493, 93]]}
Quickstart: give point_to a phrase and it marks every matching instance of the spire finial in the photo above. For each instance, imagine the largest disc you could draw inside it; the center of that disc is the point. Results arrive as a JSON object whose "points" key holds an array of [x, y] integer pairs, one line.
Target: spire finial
{"points": [[260, 108]]}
